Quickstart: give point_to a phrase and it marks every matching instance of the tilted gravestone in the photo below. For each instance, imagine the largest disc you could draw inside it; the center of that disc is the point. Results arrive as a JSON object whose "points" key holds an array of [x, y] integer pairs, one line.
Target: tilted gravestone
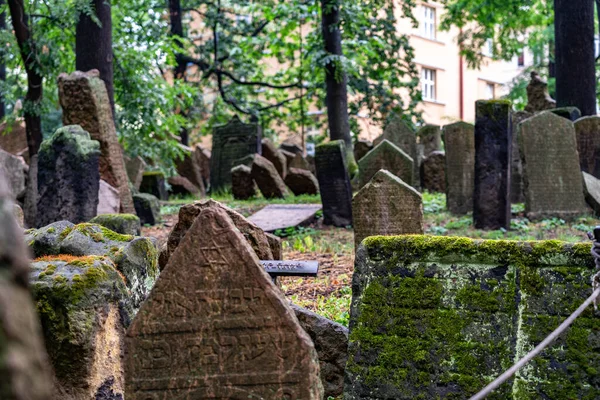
{"points": [[553, 182], [402, 135], [459, 142], [271, 153], [570, 113], [135, 170], [387, 156], [24, 369], [14, 139], [386, 206], [215, 326], [267, 178], [242, 184], [430, 139], [68, 177], [334, 183], [15, 170], [190, 167], [441, 317], [517, 192], [433, 172], [84, 101], [587, 131], [361, 148], [231, 142], [491, 190]]}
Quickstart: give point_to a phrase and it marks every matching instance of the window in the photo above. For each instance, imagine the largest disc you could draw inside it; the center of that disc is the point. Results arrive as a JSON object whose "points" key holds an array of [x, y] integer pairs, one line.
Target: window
{"points": [[488, 48], [489, 91], [428, 22], [428, 84]]}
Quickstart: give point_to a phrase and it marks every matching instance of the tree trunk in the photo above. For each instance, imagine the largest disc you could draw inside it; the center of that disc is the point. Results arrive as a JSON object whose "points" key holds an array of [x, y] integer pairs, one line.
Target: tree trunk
{"points": [[2, 65], [93, 45], [337, 95], [181, 66], [574, 55], [33, 98]]}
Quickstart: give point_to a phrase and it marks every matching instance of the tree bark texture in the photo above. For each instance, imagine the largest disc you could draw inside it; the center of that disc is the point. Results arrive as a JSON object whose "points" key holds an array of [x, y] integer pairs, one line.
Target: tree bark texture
{"points": [[181, 62], [2, 65]]}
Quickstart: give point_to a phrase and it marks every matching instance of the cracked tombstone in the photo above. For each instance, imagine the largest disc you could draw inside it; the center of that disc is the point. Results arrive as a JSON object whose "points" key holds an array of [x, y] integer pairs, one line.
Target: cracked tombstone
{"points": [[215, 326]]}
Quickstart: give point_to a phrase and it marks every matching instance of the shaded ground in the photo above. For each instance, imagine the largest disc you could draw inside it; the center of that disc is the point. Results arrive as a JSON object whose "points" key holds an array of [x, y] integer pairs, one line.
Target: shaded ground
{"points": [[329, 294]]}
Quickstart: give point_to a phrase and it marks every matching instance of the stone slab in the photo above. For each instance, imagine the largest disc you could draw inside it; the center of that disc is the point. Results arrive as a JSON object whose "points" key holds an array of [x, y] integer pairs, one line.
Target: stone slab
{"points": [[290, 268], [440, 317], [334, 183], [459, 141], [282, 216], [215, 326], [108, 199], [388, 156]]}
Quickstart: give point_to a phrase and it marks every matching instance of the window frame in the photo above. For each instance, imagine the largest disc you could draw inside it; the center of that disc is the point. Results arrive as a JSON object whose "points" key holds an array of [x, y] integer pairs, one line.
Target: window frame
{"points": [[428, 22], [428, 84]]}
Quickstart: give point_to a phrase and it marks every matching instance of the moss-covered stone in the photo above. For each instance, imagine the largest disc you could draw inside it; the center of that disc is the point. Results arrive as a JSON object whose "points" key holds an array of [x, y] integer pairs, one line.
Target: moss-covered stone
{"points": [[439, 317], [126, 224]]}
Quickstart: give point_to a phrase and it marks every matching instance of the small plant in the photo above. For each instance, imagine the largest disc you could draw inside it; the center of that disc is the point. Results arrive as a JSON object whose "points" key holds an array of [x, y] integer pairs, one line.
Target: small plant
{"points": [[517, 208], [437, 230], [462, 223], [520, 224], [551, 223], [433, 202]]}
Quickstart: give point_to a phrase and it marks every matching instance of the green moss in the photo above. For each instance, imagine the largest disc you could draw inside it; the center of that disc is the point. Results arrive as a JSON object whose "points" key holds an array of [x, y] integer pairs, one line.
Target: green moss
{"points": [[97, 232], [154, 173], [51, 230]]}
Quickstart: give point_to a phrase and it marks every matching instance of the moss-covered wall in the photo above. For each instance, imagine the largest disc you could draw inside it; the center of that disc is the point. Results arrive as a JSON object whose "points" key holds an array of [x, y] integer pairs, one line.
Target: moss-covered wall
{"points": [[437, 317]]}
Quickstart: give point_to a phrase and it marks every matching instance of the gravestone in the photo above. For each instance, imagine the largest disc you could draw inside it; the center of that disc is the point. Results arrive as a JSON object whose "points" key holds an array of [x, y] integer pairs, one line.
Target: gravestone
{"points": [[587, 131], [84, 101], [517, 191], [24, 368], [491, 190], [15, 169], [183, 187], [538, 98], [300, 162], [135, 170], [231, 142], [289, 156], [570, 113], [402, 135], [267, 178], [153, 182], [270, 152], [591, 191], [430, 139], [334, 183], [553, 182], [433, 172], [386, 156], [441, 317], [459, 142], [361, 148], [301, 181], [291, 147], [190, 167], [386, 206], [215, 326], [31, 193], [71, 191], [283, 216], [109, 201], [147, 207], [14, 140], [242, 184], [203, 156]]}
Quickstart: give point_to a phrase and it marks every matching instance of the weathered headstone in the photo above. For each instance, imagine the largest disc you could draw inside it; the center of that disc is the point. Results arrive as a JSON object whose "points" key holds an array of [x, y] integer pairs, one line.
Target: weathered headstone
{"points": [[300, 162], [538, 98], [553, 182], [267, 178], [301, 181], [183, 187], [517, 191], [270, 152], [334, 183], [430, 139], [361, 148], [126, 224], [14, 140], [147, 207], [15, 169], [84, 101], [491, 190], [459, 142], [69, 192], [433, 172], [242, 184], [230, 142], [289, 156], [283, 216], [386, 206], [24, 369], [570, 113], [402, 135], [135, 170], [591, 191], [203, 156], [153, 182], [109, 201], [190, 167], [216, 326], [587, 131], [386, 156], [441, 317], [291, 147]]}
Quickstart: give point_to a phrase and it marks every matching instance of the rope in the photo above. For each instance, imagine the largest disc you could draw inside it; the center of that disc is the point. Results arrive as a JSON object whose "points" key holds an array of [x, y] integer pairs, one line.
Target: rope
{"points": [[558, 331]]}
